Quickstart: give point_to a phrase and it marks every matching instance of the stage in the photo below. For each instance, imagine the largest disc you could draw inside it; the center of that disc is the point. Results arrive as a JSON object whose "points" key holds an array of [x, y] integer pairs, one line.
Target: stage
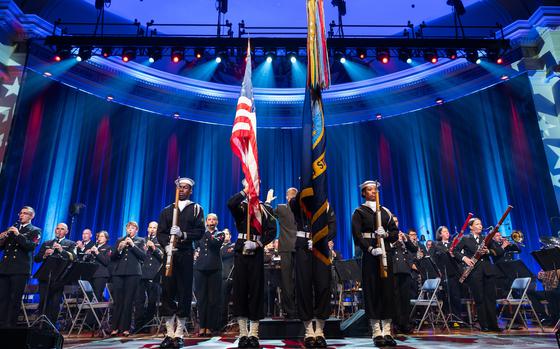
{"points": [[456, 340]]}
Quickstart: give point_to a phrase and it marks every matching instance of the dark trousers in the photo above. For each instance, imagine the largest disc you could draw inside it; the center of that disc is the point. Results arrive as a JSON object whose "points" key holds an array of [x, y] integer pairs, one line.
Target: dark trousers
{"points": [[227, 287], [11, 291], [452, 298], [208, 290], [287, 283], [50, 302], [98, 285], [124, 293], [313, 286], [402, 299], [379, 293], [553, 298], [147, 295], [483, 290], [248, 285], [176, 293]]}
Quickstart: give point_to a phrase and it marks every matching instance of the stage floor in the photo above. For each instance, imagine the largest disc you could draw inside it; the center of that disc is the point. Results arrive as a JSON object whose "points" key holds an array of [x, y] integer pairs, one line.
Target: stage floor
{"points": [[533, 340]]}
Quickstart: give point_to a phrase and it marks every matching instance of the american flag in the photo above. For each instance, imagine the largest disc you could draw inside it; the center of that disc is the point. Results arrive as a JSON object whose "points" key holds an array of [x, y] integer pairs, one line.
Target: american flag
{"points": [[244, 143]]}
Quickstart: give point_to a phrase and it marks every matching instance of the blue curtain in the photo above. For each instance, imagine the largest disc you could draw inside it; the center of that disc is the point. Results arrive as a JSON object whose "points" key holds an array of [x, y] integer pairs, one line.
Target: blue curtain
{"points": [[475, 154]]}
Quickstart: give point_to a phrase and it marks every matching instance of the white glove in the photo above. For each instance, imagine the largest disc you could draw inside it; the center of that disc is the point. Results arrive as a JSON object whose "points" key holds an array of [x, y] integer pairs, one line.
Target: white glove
{"points": [[310, 244], [376, 251], [381, 232], [175, 230], [249, 245], [169, 249]]}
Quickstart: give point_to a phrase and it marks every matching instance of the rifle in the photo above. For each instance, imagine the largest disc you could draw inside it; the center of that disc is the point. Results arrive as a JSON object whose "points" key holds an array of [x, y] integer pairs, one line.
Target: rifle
{"points": [[461, 233], [172, 240], [380, 240], [485, 244]]}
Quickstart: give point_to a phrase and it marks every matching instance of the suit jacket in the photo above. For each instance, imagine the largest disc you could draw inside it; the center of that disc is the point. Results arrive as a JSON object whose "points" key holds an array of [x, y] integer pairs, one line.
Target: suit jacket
{"points": [[209, 257], [153, 262], [445, 261], [500, 254], [81, 253], [18, 251], [68, 250], [400, 255], [288, 228], [227, 252], [129, 260], [103, 260], [468, 246], [190, 220]]}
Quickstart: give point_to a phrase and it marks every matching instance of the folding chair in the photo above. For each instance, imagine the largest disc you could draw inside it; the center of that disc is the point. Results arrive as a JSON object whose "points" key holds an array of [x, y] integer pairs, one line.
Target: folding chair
{"points": [[428, 298], [89, 302], [28, 307], [519, 286]]}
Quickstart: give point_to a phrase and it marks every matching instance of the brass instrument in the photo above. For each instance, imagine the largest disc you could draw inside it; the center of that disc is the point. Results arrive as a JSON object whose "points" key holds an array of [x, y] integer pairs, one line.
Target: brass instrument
{"points": [[517, 237]]}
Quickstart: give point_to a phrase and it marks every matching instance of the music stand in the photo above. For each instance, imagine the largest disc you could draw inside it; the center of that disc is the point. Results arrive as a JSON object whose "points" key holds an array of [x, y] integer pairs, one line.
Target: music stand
{"points": [[549, 259], [514, 269], [427, 267], [49, 271], [78, 271]]}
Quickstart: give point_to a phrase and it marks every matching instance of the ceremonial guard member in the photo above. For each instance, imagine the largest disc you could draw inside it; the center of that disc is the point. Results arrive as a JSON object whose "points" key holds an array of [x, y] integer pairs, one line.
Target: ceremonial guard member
{"points": [[18, 243], [377, 284], [248, 269], [127, 256], [101, 255], [84, 245], [208, 277], [149, 288], [59, 247], [313, 277], [482, 279], [176, 293]]}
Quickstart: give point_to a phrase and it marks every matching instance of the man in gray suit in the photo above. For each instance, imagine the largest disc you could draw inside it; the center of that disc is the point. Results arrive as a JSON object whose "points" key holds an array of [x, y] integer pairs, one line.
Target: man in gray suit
{"points": [[286, 248]]}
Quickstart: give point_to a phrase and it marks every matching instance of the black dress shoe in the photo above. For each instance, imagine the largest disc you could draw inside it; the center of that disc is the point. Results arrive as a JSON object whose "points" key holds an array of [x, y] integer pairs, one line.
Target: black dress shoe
{"points": [[320, 342], [309, 342], [243, 342], [484, 329], [496, 329], [253, 342], [167, 343], [379, 341], [178, 342], [390, 341]]}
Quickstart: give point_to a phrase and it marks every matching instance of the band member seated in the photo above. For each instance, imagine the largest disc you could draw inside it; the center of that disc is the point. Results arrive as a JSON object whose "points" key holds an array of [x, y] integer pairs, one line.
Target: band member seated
{"points": [[551, 294], [18, 243], [149, 288], [208, 277], [100, 253], [450, 272], [503, 249], [248, 270], [59, 247], [127, 256], [401, 258], [84, 245], [176, 293], [481, 281], [378, 291]]}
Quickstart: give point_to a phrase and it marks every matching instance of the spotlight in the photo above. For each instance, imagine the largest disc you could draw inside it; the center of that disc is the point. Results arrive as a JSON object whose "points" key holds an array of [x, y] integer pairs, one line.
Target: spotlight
{"points": [[62, 52], [293, 59], [430, 55], [221, 57], [268, 59], [378, 116], [342, 60], [47, 74], [292, 53], [177, 54], [128, 54], [110, 98], [154, 54], [339, 56], [198, 52], [382, 55], [451, 53], [404, 55], [504, 77], [218, 59], [176, 115], [478, 61], [361, 52], [270, 54], [439, 100], [494, 56], [106, 52], [472, 55], [84, 53]]}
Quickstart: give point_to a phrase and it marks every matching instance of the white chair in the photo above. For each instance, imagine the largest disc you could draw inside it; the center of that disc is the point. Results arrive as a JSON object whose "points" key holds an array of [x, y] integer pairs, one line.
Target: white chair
{"points": [[89, 302], [519, 287], [428, 298]]}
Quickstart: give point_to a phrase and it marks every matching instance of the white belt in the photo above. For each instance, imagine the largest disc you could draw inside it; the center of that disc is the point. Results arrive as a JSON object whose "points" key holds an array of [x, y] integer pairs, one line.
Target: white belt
{"points": [[253, 237], [368, 235], [303, 234]]}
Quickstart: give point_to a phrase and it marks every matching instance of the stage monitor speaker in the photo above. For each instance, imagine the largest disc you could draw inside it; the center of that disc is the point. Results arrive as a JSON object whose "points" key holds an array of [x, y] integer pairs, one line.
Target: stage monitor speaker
{"points": [[31, 338], [356, 325]]}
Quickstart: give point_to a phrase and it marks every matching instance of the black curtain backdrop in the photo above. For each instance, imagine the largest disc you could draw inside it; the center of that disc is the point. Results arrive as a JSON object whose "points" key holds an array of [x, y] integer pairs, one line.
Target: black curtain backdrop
{"points": [[475, 154]]}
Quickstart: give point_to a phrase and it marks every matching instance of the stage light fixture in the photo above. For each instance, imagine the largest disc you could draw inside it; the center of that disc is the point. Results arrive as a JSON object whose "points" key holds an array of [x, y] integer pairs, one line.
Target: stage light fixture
{"points": [[47, 74], [378, 116], [198, 52], [451, 53], [293, 59], [339, 57], [128, 54], [382, 55], [361, 52], [84, 53], [221, 57], [177, 54], [504, 77], [270, 54], [106, 52], [472, 55], [430, 55], [61, 53], [110, 98], [404, 55], [439, 101], [176, 115], [218, 59], [154, 54], [494, 57]]}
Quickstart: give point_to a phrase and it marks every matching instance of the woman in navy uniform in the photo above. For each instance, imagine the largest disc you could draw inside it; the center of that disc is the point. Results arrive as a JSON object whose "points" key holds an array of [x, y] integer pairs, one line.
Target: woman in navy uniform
{"points": [[208, 277], [450, 270], [248, 270], [379, 294], [18, 244], [101, 254], [128, 256]]}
